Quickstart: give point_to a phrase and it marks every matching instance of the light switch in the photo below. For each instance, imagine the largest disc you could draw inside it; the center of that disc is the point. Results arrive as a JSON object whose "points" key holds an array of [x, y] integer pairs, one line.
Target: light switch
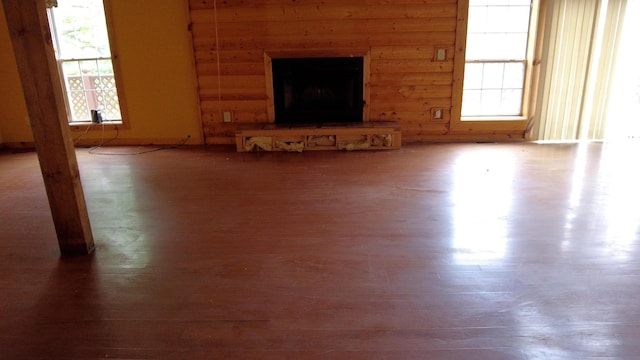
{"points": [[441, 54], [226, 116]]}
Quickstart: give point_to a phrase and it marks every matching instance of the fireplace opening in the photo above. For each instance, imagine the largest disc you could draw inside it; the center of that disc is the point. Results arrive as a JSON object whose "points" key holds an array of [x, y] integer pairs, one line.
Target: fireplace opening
{"points": [[318, 90]]}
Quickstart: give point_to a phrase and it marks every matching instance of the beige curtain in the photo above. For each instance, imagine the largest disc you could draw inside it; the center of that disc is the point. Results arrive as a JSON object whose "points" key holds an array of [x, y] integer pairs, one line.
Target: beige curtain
{"points": [[581, 42]]}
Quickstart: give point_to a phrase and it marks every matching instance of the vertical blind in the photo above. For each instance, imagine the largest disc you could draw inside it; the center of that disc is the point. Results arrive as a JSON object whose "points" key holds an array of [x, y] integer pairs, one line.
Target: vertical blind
{"points": [[581, 41]]}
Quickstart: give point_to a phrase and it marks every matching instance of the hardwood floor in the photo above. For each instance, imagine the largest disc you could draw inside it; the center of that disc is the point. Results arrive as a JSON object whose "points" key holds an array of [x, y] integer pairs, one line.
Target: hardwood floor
{"points": [[450, 251]]}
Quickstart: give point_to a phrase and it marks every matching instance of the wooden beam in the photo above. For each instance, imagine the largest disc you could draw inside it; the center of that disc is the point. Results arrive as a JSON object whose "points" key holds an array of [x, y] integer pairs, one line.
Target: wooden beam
{"points": [[31, 38]]}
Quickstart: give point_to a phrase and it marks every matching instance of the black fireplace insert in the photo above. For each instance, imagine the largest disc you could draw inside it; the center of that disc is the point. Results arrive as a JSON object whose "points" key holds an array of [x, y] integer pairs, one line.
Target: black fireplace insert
{"points": [[318, 90]]}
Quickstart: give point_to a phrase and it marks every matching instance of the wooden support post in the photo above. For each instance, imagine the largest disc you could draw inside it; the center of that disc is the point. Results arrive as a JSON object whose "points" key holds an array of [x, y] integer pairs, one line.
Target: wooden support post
{"points": [[31, 38]]}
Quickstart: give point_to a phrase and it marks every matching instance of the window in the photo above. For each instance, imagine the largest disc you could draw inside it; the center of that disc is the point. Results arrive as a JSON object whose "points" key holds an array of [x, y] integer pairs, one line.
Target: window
{"points": [[81, 41], [499, 35]]}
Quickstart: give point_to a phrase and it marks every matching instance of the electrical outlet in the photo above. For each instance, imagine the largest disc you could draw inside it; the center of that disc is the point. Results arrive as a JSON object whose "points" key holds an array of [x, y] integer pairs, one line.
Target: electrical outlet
{"points": [[226, 116], [438, 115], [441, 54]]}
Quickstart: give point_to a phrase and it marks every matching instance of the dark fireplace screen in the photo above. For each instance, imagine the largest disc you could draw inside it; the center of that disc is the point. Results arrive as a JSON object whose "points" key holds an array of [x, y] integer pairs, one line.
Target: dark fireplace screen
{"points": [[318, 90]]}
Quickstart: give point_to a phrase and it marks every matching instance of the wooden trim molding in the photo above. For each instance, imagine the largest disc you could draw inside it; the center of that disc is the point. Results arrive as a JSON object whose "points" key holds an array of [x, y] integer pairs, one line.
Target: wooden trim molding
{"points": [[458, 64], [115, 61]]}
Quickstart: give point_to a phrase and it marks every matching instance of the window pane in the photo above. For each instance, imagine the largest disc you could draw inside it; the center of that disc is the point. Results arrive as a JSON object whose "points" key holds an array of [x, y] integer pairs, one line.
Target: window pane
{"points": [[498, 30], [476, 47], [517, 20], [513, 76], [105, 67], [81, 29], [490, 102], [498, 46], [90, 85], [473, 76], [89, 69], [107, 96], [472, 101], [493, 89], [492, 76], [76, 95], [477, 20], [511, 102], [497, 18], [514, 47]]}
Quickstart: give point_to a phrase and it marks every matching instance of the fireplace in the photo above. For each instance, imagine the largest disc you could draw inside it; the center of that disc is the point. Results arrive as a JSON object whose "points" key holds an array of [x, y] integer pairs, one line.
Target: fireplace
{"points": [[318, 90]]}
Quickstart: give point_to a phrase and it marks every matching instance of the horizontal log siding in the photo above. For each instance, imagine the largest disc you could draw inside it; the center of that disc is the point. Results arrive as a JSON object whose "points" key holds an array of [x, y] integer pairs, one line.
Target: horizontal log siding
{"points": [[400, 36]]}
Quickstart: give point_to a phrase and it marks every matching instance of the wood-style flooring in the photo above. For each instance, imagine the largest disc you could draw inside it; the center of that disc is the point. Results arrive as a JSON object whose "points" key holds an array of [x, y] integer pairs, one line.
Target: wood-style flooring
{"points": [[445, 251]]}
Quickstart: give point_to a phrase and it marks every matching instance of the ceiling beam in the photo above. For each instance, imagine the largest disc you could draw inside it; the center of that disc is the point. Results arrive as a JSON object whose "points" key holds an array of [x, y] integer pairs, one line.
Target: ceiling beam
{"points": [[32, 45]]}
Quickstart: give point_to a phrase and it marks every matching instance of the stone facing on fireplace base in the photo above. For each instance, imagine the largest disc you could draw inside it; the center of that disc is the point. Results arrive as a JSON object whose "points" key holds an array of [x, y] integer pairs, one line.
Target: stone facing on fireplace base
{"points": [[373, 135]]}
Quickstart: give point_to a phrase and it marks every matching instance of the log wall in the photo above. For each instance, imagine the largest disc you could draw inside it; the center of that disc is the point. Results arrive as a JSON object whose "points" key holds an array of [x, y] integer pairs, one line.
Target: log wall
{"points": [[236, 38]]}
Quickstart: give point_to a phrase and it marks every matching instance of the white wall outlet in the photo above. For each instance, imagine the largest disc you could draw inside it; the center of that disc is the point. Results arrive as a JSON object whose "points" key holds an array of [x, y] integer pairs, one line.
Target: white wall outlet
{"points": [[226, 116], [441, 54], [439, 115]]}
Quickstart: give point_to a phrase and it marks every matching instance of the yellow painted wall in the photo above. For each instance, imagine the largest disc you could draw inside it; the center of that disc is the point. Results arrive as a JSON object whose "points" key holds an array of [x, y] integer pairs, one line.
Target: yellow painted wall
{"points": [[153, 44], [14, 124]]}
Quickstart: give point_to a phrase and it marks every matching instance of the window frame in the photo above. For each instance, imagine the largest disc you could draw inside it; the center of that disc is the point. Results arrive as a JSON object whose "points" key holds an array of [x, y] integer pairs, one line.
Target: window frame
{"points": [[527, 61], [531, 71], [124, 121]]}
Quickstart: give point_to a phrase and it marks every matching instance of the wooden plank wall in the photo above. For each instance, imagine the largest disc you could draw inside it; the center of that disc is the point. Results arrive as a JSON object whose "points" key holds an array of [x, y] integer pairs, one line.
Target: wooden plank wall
{"points": [[399, 36]]}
